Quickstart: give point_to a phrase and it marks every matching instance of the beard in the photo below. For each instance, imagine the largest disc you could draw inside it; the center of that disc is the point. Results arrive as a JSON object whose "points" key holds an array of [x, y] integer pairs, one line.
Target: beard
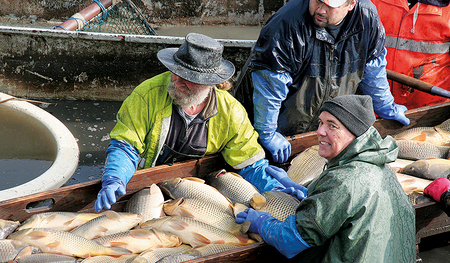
{"points": [[188, 99]]}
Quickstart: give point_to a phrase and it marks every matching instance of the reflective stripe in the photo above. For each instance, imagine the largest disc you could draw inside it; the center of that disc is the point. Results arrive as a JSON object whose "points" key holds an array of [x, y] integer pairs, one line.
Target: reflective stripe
{"points": [[417, 46]]}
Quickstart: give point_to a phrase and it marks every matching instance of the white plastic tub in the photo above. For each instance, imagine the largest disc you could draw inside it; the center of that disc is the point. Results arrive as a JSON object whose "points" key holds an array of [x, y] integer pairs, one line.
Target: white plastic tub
{"points": [[51, 133]]}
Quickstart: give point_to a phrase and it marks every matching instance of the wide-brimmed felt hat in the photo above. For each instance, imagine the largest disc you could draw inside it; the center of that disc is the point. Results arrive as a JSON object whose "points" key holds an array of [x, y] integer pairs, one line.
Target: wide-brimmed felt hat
{"points": [[198, 60]]}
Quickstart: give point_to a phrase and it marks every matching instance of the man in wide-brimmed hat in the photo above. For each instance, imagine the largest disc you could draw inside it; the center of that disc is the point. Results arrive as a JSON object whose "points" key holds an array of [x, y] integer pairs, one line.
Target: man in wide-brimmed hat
{"points": [[181, 114]]}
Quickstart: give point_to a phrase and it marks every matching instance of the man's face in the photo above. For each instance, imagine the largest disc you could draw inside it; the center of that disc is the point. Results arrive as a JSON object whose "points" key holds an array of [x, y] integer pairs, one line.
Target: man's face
{"points": [[333, 136], [186, 93], [325, 16]]}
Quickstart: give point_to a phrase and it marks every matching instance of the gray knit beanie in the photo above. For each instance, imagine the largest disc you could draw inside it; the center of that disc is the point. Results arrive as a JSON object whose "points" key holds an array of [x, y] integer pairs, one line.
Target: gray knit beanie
{"points": [[354, 111]]}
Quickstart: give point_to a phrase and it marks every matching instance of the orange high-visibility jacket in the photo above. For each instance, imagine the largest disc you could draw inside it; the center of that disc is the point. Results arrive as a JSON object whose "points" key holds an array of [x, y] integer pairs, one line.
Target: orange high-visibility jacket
{"points": [[418, 45]]}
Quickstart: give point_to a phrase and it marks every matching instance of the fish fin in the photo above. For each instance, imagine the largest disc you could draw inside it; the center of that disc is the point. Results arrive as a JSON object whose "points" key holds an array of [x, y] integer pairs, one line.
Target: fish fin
{"points": [[245, 226], [237, 175], [140, 233], [200, 239], [112, 215], [185, 213], [255, 236], [24, 252], [154, 189], [238, 207], [195, 179], [218, 242], [35, 234], [420, 138], [54, 244], [243, 238], [258, 201], [118, 244], [178, 225]]}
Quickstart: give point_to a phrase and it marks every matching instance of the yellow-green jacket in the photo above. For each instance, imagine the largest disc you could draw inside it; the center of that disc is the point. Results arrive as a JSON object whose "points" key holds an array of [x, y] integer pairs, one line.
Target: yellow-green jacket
{"points": [[144, 119]]}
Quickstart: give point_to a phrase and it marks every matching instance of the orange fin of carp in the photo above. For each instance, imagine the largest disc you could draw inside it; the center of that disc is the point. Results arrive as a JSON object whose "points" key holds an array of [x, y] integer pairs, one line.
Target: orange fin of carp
{"points": [[185, 213], [37, 234], [199, 238], [420, 138], [54, 244], [258, 201], [140, 233], [112, 215], [118, 244], [195, 179], [178, 225]]}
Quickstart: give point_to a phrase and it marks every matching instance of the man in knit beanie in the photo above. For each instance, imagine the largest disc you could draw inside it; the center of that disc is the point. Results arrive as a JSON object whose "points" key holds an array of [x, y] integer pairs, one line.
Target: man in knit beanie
{"points": [[356, 210]]}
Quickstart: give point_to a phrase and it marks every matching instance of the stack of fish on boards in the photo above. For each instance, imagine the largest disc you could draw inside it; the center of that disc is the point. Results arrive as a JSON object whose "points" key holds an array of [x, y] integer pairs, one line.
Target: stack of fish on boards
{"points": [[181, 210], [172, 221]]}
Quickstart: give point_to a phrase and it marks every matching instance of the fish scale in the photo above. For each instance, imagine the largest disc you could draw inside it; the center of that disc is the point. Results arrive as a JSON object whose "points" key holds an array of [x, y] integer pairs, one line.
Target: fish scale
{"points": [[65, 243], [233, 186], [279, 204], [417, 150], [204, 211], [194, 232], [10, 249], [147, 202], [191, 187], [306, 166], [138, 240], [153, 255]]}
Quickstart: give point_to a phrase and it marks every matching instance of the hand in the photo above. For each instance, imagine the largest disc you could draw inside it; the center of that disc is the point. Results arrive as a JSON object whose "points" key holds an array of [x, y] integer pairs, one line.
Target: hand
{"points": [[256, 218], [438, 187], [112, 188], [300, 195], [282, 177], [278, 146], [401, 117]]}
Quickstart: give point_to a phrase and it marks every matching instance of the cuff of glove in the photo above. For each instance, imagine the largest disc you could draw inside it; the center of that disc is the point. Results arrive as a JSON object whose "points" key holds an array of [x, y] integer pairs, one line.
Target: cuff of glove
{"points": [[437, 188]]}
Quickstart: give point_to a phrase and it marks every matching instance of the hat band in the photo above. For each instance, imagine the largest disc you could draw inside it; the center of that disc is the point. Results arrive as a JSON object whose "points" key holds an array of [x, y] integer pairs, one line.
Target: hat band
{"points": [[201, 70]]}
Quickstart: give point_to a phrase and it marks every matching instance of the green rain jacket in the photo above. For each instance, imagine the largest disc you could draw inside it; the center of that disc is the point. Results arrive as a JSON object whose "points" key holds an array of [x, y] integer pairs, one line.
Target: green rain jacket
{"points": [[144, 119], [356, 211]]}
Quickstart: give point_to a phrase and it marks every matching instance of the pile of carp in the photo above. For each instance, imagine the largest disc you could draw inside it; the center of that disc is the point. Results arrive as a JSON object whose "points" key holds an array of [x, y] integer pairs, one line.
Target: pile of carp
{"points": [[173, 221]]}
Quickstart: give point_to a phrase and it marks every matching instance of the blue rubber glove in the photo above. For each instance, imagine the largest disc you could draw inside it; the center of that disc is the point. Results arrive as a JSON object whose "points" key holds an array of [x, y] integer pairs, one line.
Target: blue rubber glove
{"points": [[375, 84], [255, 217], [281, 176], [270, 90], [112, 188], [283, 235], [257, 176], [300, 195], [121, 163]]}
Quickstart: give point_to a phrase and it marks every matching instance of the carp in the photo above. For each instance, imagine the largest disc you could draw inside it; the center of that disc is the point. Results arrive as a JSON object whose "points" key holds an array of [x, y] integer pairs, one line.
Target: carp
{"points": [[430, 169], [7, 227], [154, 255], [279, 204], [65, 243], [195, 232], [138, 240], [411, 184], [417, 150], [64, 221], [195, 188], [147, 202], [109, 222], [47, 258], [437, 135], [233, 186], [307, 166], [12, 249], [110, 259], [206, 250], [205, 212]]}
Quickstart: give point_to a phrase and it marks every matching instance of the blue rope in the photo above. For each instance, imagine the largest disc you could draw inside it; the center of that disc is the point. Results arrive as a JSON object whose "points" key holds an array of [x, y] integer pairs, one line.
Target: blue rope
{"points": [[102, 7]]}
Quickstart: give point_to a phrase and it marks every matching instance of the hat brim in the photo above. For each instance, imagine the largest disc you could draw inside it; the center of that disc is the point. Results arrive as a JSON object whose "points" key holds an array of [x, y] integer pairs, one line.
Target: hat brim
{"points": [[226, 70]]}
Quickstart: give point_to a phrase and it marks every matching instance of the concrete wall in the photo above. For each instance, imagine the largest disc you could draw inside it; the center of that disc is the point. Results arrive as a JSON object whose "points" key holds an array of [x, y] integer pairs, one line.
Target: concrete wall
{"points": [[158, 12]]}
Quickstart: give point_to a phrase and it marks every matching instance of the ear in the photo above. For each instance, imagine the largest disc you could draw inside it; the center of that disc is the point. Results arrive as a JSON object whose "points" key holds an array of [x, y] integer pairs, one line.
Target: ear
{"points": [[351, 5]]}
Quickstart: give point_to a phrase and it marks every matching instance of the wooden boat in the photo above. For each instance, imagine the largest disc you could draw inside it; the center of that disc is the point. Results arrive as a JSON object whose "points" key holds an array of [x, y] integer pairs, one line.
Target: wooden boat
{"points": [[430, 219]]}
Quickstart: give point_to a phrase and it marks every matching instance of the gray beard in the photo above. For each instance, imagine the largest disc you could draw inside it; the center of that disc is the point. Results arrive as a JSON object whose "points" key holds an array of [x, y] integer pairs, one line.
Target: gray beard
{"points": [[192, 98]]}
